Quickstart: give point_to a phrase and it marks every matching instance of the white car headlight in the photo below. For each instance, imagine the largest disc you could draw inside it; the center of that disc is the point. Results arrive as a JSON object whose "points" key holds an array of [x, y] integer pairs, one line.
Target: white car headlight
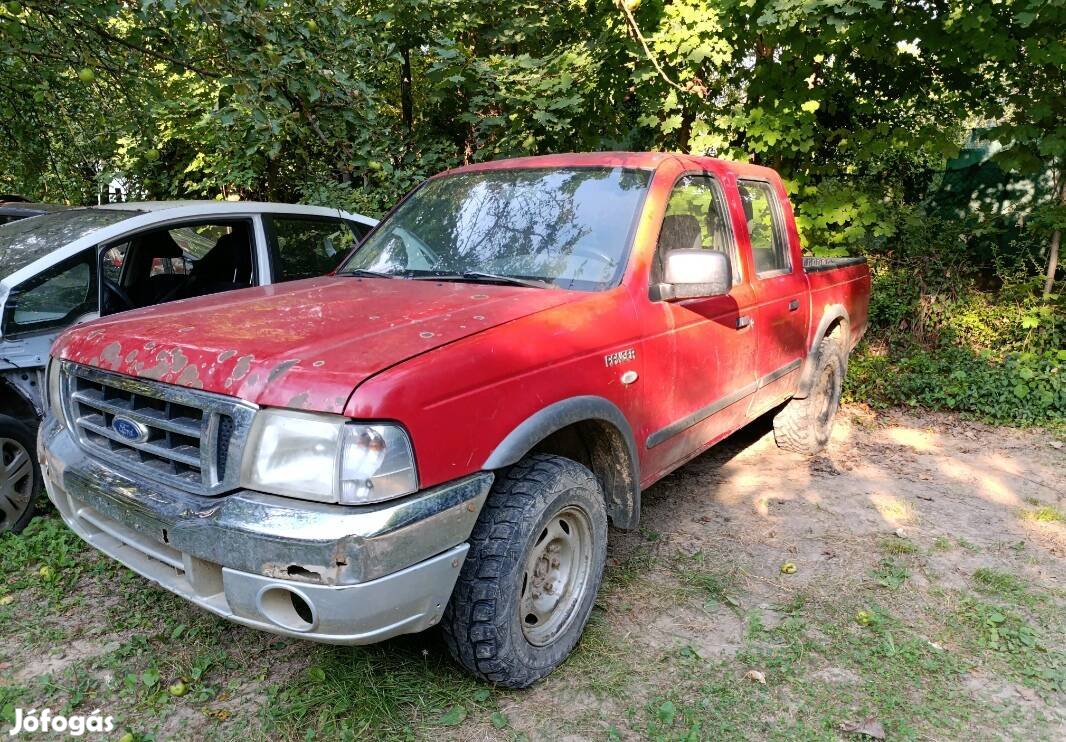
{"points": [[327, 458]]}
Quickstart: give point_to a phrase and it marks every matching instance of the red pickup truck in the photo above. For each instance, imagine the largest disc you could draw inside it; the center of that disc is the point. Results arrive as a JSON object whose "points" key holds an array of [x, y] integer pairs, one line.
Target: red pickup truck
{"points": [[441, 430]]}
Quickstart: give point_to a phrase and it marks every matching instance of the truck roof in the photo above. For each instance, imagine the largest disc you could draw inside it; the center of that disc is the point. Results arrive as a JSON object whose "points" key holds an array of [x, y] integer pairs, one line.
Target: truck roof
{"points": [[636, 160]]}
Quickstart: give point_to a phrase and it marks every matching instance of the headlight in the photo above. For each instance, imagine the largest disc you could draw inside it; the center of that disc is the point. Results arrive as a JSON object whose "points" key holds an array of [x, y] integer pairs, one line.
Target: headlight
{"points": [[327, 458], [53, 389]]}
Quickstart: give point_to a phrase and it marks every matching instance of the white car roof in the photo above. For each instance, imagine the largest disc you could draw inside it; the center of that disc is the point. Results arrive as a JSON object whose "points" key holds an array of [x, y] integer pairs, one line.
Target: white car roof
{"points": [[208, 208], [157, 213]]}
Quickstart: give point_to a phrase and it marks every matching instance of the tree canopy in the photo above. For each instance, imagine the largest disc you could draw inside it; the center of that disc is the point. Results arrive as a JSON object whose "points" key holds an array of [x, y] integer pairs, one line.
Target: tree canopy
{"points": [[856, 102]]}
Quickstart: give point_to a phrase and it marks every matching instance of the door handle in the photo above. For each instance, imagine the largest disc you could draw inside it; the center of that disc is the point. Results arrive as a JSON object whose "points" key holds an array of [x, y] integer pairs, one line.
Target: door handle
{"points": [[743, 322], [794, 305]]}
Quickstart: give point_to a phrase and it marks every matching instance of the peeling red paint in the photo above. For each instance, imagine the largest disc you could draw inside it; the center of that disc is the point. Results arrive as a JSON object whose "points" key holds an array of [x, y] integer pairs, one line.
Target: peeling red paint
{"points": [[252, 344]]}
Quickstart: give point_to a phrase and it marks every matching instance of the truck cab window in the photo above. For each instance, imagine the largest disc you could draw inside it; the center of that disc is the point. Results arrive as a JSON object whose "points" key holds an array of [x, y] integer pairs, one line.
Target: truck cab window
{"points": [[306, 248], [696, 218], [769, 247]]}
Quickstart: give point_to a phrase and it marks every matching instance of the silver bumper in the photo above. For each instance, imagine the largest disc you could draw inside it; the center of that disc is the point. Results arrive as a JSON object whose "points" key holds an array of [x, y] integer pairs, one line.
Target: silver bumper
{"points": [[344, 575]]}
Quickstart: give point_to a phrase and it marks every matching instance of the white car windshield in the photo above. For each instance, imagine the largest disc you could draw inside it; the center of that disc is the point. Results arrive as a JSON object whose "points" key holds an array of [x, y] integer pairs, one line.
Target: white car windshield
{"points": [[26, 240]]}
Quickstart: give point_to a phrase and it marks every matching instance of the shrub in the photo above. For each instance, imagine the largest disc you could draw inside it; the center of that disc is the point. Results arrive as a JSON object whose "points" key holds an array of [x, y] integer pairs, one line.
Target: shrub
{"points": [[1019, 389]]}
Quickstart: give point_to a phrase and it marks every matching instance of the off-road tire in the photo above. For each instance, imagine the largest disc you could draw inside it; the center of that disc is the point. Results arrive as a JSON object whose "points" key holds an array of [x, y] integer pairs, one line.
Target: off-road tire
{"points": [[482, 625], [804, 425], [16, 510]]}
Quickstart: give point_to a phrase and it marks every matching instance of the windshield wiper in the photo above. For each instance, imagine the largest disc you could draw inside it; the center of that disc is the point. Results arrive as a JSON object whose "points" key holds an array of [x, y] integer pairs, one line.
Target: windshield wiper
{"points": [[480, 277], [369, 274]]}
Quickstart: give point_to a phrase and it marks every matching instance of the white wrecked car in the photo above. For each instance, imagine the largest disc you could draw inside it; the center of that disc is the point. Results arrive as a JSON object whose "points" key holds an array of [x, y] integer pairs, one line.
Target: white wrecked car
{"points": [[73, 265]]}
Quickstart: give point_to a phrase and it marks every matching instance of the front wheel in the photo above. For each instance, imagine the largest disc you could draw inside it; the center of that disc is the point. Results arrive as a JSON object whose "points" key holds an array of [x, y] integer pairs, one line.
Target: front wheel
{"points": [[804, 425], [530, 578], [20, 478]]}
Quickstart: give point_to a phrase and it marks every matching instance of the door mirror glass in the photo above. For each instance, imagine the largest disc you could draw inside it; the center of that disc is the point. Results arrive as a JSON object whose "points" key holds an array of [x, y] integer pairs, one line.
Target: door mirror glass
{"points": [[693, 273]]}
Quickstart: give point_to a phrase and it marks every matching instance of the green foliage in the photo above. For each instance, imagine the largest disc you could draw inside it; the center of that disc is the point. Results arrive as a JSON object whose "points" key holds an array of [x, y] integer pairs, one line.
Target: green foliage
{"points": [[958, 322], [259, 97], [1006, 631], [355, 693], [1045, 514], [1022, 388]]}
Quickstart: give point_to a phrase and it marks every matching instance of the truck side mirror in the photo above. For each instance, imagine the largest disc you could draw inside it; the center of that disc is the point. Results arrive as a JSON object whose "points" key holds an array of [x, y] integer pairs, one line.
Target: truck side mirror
{"points": [[694, 273]]}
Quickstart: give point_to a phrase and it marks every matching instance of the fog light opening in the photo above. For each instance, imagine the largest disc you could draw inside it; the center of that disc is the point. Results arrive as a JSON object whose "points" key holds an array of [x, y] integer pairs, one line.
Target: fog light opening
{"points": [[287, 608], [303, 610]]}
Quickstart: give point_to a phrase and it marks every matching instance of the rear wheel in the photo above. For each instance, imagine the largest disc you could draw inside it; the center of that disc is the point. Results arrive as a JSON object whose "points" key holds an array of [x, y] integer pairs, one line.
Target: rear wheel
{"points": [[804, 425], [20, 478], [530, 578]]}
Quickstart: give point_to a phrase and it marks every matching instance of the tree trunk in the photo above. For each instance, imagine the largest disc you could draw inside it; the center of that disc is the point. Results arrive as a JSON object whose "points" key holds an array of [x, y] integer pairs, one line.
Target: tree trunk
{"points": [[1052, 262], [684, 132], [1053, 253], [406, 105]]}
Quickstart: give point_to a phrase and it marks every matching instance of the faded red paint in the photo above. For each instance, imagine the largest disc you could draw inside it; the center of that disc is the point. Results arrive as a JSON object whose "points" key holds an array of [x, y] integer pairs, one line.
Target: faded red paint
{"points": [[462, 365], [305, 344]]}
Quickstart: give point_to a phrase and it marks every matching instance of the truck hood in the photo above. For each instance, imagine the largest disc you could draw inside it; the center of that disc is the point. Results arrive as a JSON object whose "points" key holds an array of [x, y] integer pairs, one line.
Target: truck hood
{"points": [[305, 345]]}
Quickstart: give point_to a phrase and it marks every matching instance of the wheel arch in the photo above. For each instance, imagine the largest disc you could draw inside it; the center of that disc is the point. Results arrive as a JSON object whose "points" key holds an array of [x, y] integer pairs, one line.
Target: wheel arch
{"points": [[590, 430], [14, 402], [835, 321]]}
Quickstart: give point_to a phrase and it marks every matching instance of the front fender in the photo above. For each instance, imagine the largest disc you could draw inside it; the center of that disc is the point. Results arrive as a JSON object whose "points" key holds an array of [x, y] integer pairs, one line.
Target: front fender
{"points": [[624, 501]]}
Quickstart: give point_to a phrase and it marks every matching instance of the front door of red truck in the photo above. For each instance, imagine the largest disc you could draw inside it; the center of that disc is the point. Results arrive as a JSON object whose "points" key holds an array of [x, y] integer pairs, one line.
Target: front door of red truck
{"points": [[701, 351], [782, 310]]}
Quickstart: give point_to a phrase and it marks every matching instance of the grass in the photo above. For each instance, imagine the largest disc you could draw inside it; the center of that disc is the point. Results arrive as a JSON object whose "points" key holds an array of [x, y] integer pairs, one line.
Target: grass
{"points": [[898, 546], [890, 574], [942, 543], [352, 692], [821, 669], [1002, 584], [699, 577], [1045, 514]]}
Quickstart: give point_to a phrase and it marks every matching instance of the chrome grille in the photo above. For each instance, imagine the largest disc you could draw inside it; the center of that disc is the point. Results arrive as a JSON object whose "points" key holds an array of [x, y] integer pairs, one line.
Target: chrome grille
{"points": [[192, 438]]}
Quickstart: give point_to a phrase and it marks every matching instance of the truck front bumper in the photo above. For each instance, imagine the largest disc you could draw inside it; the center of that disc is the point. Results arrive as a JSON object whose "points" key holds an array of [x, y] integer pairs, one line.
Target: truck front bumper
{"points": [[329, 573]]}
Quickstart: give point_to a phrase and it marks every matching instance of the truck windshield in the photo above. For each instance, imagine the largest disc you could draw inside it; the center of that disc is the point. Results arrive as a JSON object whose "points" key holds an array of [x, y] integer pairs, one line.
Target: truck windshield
{"points": [[26, 240], [569, 228]]}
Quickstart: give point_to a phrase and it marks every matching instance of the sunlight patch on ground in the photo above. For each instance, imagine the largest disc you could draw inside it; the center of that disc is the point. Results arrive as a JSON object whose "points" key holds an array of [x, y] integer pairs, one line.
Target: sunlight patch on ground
{"points": [[998, 492], [987, 486], [919, 440], [1004, 464], [895, 511]]}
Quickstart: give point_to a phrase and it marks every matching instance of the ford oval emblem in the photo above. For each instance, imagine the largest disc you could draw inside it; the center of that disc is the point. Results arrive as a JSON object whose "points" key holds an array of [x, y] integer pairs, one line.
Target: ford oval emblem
{"points": [[130, 430]]}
